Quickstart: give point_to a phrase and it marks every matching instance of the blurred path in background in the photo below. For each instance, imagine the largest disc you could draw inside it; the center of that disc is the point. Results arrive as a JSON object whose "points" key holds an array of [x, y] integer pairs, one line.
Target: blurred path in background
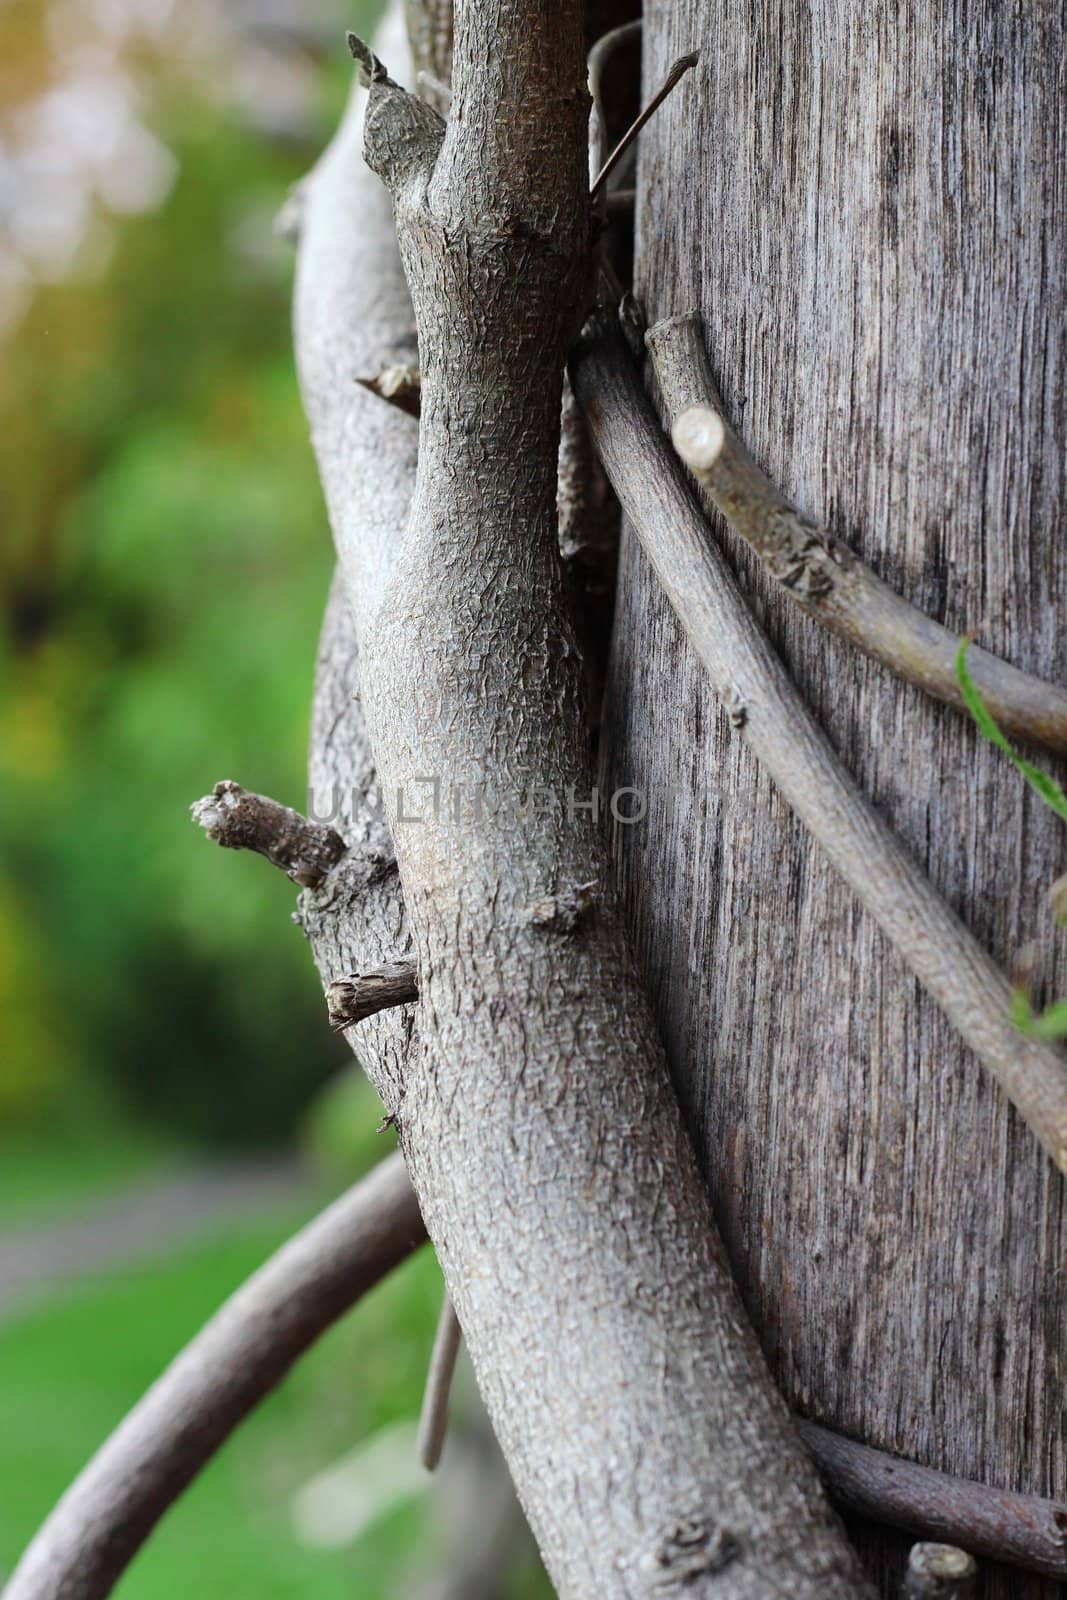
{"points": [[141, 1224]]}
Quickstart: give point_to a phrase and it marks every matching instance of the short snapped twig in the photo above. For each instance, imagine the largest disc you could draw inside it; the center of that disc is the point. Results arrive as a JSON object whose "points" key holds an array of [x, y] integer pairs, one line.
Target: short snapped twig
{"points": [[433, 1420], [239, 820], [399, 386], [823, 576], [939, 1572], [361, 994]]}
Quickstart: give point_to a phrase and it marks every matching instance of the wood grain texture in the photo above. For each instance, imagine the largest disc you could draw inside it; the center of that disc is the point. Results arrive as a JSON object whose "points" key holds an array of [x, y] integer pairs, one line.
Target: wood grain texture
{"points": [[869, 210]]}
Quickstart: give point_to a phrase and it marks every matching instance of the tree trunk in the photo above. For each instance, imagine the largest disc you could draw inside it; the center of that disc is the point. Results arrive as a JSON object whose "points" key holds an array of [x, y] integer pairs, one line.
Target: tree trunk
{"points": [[868, 209]]}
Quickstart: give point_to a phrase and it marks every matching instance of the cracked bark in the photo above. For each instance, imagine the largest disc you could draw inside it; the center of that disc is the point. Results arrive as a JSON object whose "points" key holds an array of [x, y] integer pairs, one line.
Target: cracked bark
{"points": [[557, 1182]]}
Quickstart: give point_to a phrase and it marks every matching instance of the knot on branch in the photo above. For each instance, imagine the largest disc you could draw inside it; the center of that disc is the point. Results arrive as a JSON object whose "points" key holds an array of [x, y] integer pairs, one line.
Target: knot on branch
{"points": [[239, 820], [800, 555], [694, 1549], [361, 994], [563, 911], [401, 133]]}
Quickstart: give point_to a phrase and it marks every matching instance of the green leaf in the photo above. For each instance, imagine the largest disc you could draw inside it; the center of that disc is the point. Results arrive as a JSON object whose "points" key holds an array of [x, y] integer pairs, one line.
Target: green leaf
{"points": [[1050, 1024], [1021, 1011], [1041, 782]]}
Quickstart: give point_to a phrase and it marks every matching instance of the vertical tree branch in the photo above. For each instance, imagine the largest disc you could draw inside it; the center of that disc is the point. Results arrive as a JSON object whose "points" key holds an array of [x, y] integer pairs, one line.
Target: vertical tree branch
{"points": [[649, 1448]]}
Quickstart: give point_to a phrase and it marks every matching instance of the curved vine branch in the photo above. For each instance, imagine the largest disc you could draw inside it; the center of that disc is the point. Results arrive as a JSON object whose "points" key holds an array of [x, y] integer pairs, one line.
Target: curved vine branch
{"points": [[251, 1343], [818, 572], [1021, 1530], [766, 708], [234, 1361]]}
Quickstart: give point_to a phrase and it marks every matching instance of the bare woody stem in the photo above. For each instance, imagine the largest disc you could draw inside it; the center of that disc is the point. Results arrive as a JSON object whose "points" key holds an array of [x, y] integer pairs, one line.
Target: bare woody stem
{"points": [[239, 820], [677, 72], [769, 713], [1021, 1530], [361, 994], [542, 1135], [433, 1420], [236, 1359], [818, 572]]}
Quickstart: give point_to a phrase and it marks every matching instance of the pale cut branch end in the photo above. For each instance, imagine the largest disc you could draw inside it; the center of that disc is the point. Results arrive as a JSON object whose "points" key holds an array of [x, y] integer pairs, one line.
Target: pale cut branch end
{"points": [[698, 436], [236, 819], [360, 995], [399, 386], [939, 1572]]}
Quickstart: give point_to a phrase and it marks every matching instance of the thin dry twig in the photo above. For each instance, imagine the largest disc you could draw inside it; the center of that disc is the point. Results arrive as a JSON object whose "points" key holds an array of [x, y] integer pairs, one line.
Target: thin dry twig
{"points": [[821, 575], [237, 819], [362, 994], [766, 708], [433, 1420], [673, 78]]}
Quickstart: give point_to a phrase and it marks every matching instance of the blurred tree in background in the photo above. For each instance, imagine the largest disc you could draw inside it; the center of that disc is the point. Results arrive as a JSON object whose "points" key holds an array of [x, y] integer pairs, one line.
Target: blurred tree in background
{"points": [[164, 564], [164, 558]]}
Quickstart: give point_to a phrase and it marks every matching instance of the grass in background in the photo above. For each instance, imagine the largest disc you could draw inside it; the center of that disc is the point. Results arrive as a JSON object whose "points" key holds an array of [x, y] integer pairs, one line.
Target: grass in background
{"points": [[70, 1370]]}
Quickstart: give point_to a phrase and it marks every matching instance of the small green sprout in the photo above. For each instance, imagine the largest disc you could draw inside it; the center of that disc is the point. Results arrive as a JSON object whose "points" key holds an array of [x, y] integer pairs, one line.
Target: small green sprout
{"points": [[1052, 1022]]}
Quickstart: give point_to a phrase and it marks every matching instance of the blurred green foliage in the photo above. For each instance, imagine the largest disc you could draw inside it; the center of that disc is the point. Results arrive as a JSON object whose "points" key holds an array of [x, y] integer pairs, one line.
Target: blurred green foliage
{"points": [[233, 1532], [164, 561], [164, 564]]}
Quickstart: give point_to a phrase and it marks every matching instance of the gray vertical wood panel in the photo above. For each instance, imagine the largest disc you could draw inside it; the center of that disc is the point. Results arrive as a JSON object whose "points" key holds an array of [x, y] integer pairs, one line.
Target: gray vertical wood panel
{"points": [[868, 204]]}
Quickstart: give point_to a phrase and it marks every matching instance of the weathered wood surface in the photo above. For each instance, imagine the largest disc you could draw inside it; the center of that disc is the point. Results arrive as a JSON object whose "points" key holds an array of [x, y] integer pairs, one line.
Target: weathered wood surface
{"points": [[869, 210]]}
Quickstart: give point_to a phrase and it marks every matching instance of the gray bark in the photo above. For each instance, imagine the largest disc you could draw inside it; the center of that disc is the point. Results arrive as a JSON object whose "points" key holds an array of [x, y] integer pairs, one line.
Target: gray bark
{"points": [[649, 1450], [868, 209]]}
